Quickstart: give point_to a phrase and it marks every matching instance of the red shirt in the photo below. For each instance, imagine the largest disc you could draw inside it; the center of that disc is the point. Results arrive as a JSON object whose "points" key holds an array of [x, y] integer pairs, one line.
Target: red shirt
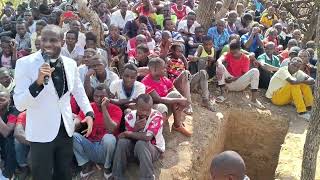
{"points": [[284, 55], [237, 67], [179, 13], [162, 87], [98, 129], [21, 119]]}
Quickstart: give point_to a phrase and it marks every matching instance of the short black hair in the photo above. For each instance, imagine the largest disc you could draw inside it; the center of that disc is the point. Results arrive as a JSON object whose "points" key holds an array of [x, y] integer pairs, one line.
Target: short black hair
{"points": [[101, 87], [143, 47], [143, 19], [234, 45], [73, 32], [41, 23], [155, 62], [207, 38], [91, 36], [130, 66], [5, 39], [146, 98]]}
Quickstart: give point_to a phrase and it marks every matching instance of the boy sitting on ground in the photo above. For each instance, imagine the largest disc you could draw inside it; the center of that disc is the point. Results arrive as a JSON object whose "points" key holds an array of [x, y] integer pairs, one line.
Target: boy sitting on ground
{"points": [[161, 90], [100, 145], [228, 165], [204, 58], [184, 82], [237, 75], [127, 89], [143, 139], [290, 84]]}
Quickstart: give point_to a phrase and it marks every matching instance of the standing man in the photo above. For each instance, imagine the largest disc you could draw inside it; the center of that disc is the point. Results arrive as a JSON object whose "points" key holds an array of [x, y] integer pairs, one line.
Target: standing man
{"points": [[50, 126]]}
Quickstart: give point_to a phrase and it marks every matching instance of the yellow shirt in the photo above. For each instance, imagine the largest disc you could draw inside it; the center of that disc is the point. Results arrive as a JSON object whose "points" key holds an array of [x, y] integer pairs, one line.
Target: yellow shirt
{"points": [[205, 54], [266, 21], [278, 80]]}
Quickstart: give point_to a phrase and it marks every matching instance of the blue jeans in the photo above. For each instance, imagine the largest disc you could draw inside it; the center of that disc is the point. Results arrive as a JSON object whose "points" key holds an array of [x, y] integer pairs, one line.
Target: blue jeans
{"points": [[98, 152], [22, 151]]}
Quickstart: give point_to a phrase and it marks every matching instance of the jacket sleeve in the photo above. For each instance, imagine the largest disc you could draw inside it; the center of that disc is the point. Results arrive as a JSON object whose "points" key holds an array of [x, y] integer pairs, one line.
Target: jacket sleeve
{"points": [[22, 96], [80, 94]]}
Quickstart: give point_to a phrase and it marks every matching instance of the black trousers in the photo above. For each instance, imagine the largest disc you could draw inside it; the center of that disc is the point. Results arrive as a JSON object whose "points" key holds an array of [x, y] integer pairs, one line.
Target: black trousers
{"points": [[264, 79], [52, 160], [8, 155]]}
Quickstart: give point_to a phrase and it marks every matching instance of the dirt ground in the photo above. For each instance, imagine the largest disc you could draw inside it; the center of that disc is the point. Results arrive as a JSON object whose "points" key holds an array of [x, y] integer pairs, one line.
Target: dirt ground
{"points": [[270, 141]]}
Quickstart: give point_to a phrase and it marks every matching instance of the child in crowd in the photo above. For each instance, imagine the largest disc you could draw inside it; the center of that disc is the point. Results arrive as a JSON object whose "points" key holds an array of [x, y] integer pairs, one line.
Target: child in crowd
{"points": [[8, 56], [237, 75], [163, 93]]}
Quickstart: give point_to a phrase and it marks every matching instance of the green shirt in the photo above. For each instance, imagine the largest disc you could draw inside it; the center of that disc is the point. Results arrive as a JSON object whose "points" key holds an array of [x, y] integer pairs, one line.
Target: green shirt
{"points": [[160, 18], [264, 58]]}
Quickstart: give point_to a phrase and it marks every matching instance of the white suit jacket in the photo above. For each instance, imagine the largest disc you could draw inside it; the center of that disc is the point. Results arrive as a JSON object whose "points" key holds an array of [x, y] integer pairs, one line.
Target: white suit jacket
{"points": [[44, 111]]}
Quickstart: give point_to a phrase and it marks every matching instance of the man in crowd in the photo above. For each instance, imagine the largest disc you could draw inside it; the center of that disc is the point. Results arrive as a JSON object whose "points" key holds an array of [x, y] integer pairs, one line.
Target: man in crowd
{"points": [[290, 84], [143, 139], [100, 145]]}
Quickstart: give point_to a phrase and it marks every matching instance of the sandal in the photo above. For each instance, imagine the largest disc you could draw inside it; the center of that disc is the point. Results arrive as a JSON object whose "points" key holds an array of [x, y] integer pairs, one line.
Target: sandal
{"points": [[221, 99], [182, 129], [258, 105], [210, 105]]}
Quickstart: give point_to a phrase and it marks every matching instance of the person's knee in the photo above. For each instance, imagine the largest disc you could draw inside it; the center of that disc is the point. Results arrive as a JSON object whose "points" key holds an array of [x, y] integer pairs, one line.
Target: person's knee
{"points": [[255, 72], [109, 140], [203, 75], [140, 147], [174, 94], [76, 138], [162, 108], [123, 143]]}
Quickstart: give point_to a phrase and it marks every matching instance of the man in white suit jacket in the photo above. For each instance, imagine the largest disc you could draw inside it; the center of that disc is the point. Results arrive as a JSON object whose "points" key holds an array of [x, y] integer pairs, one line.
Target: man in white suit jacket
{"points": [[49, 125]]}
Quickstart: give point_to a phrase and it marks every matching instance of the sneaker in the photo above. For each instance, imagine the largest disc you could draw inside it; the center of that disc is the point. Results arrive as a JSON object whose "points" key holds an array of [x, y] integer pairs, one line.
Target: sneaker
{"points": [[182, 129], [107, 173], [305, 116]]}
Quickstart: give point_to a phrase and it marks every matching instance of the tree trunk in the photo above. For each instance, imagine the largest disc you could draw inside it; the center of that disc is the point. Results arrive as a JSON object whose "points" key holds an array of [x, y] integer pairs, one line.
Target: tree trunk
{"points": [[206, 12], [311, 146], [92, 17]]}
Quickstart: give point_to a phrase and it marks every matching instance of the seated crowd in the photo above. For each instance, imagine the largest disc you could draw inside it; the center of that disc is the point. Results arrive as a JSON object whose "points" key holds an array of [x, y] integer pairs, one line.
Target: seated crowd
{"points": [[153, 56]]}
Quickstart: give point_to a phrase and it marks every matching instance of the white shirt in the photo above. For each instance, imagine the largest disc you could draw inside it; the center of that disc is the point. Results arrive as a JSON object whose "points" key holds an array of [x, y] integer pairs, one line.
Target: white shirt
{"points": [[117, 19], [183, 25], [32, 28], [76, 52], [111, 76], [81, 40], [116, 88]]}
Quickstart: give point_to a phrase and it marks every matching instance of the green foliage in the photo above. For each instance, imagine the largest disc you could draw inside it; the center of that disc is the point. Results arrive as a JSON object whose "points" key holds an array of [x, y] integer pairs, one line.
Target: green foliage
{"points": [[14, 2]]}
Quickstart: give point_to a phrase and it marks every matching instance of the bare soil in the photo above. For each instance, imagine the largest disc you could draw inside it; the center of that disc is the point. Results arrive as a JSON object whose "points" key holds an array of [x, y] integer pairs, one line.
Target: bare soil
{"points": [[270, 141]]}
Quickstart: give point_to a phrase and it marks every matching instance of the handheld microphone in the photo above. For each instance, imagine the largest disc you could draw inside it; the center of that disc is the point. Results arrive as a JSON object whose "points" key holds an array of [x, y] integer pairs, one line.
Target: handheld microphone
{"points": [[46, 59]]}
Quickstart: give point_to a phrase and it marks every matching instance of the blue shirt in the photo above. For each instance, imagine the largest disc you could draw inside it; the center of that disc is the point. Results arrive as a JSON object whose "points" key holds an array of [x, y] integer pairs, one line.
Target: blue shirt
{"points": [[219, 40], [259, 5], [254, 46]]}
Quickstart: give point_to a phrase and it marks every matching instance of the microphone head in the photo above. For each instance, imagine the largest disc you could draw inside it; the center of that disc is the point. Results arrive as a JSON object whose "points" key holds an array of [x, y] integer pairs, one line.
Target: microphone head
{"points": [[46, 57]]}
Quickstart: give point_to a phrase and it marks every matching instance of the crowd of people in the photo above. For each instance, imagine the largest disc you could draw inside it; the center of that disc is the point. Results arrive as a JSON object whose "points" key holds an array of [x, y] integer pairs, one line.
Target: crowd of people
{"points": [[153, 56]]}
